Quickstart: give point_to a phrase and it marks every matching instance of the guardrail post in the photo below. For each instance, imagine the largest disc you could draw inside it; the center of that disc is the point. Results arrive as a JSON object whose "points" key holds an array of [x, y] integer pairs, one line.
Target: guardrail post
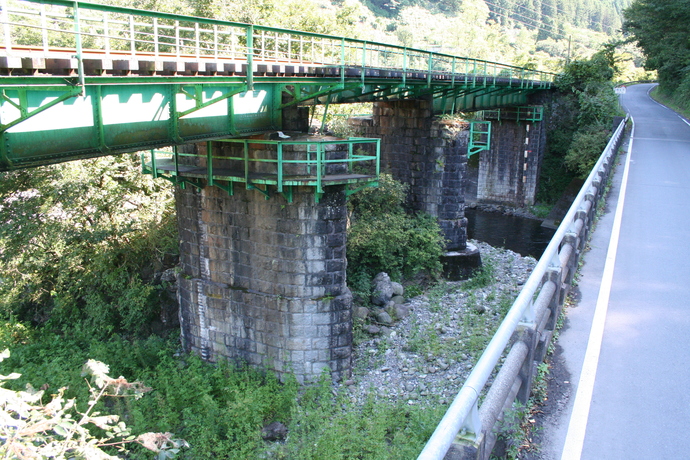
{"points": [[250, 58], [526, 332], [555, 275], [80, 60], [468, 442]]}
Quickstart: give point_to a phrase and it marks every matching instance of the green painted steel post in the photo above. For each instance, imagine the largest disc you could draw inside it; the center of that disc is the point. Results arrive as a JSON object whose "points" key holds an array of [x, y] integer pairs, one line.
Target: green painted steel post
{"points": [[342, 61], [154, 170], [404, 66], [176, 158], [174, 127], [209, 163], [96, 101], [319, 165], [250, 58], [80, 61], [280, 167], [452, 71], [364, 61], [429, 69], [246, 163]]}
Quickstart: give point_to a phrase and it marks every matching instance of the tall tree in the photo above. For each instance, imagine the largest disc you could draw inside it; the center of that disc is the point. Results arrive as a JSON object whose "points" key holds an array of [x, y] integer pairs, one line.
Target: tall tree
{"points": [[660, 28]]}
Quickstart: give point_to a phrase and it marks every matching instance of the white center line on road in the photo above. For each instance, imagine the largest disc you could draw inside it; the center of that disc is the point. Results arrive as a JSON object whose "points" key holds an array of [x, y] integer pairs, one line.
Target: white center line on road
{"points": [[572, 450]]}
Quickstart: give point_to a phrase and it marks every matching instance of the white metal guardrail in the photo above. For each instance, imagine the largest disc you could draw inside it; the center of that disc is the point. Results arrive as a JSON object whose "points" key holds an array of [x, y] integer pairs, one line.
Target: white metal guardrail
{"points": [[466, 431]]}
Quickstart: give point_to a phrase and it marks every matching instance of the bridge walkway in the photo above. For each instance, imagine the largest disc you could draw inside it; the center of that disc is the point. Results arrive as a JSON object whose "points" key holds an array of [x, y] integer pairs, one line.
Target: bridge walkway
{"points": [[622, 377]]}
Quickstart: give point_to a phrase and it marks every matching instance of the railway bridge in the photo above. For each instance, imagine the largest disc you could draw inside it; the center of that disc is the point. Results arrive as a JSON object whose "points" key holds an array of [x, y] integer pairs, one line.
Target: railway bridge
{"points": [[222, 110]]}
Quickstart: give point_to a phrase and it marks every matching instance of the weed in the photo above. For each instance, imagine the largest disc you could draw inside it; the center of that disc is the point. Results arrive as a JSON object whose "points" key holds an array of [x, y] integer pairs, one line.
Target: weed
{"points": [[482, 278], [510, 431]]}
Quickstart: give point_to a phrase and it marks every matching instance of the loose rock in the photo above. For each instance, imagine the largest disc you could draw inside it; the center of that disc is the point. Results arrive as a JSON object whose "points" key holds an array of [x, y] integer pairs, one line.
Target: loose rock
{"points": [[383, 289], [432, 342]]}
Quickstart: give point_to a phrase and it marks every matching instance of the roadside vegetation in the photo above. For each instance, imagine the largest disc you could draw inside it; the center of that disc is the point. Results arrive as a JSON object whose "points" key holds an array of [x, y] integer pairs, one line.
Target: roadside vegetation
{"points": [[660, 29], [84, 246], [581, 121]]}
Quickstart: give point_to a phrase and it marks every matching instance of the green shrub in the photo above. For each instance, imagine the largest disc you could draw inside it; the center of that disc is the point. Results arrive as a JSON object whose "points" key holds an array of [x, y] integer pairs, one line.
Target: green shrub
{"points": [[79, 243], [585, 150], [384, 238], [401, 246]]}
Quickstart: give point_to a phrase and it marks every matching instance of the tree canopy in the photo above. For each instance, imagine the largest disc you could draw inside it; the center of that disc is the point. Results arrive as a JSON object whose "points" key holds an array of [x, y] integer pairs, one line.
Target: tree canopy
{"points": [[660, 28]]}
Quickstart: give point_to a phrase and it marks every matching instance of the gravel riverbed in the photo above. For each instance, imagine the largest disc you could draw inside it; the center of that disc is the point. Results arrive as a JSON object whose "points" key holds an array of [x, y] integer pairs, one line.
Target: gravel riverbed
{"points": [[425, 357]]}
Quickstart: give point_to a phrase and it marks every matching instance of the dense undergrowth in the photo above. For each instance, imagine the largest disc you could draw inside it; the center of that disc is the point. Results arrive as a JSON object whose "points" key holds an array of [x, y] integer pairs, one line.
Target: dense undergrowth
{"points": [[220, 409], [580, 123]]}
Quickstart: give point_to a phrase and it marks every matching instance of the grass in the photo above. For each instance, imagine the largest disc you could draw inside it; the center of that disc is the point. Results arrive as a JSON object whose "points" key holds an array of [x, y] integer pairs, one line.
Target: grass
{"points": [[667, 101], [220, 409]]}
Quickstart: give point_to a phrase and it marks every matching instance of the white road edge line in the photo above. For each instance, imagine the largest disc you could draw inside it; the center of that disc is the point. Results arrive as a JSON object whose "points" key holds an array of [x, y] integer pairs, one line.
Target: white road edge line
{"points": [[572, 450]]}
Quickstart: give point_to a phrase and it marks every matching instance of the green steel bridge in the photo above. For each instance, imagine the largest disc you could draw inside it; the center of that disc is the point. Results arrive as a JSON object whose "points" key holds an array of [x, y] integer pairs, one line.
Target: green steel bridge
{"points": [[81, 80]]}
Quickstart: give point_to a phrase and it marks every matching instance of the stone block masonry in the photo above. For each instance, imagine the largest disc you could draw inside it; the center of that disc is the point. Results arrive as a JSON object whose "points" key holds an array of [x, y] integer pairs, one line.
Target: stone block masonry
{"points": [[509, 172], [429, 154], [263, 281]]}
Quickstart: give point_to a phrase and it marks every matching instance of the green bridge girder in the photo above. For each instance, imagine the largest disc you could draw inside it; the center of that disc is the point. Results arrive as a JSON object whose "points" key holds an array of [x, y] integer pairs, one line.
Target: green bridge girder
{"points": [[126, 92]]}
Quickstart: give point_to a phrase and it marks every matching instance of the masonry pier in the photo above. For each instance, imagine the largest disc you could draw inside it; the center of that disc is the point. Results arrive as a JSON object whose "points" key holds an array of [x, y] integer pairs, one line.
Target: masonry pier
{"points": [[429, 154], [263, 280], [509, 170]]}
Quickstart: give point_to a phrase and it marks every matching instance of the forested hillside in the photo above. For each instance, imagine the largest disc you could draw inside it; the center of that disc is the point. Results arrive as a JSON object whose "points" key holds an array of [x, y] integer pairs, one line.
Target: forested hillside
{"points": [[549, 16]]}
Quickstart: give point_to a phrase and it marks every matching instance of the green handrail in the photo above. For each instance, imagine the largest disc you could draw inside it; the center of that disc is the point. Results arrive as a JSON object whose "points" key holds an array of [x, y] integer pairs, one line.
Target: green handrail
{"points": [[359, 48]]}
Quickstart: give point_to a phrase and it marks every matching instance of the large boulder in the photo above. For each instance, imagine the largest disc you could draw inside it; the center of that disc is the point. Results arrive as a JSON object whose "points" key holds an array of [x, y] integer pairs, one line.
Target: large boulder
{"points": [[383, 289]]}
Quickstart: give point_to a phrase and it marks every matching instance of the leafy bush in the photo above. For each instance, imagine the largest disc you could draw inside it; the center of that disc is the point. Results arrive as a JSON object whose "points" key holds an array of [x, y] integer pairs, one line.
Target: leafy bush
{"points": [[79, 243], [585, 150], [383, 237]]}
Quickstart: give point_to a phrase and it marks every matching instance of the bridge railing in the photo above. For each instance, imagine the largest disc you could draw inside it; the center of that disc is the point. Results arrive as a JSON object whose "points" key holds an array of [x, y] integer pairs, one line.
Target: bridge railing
{"points": [[87, 29], [281, 164], [467, 430]]}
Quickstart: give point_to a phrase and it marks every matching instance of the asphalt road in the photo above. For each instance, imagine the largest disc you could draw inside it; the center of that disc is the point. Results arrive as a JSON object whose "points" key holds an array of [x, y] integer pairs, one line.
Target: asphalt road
{"points": [[634, 343]]}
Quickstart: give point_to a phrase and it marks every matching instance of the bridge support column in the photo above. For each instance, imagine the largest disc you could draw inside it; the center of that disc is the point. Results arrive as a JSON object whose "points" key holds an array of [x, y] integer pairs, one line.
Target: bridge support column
{"points": [[509, 172], [430, 155], [263, 280]]}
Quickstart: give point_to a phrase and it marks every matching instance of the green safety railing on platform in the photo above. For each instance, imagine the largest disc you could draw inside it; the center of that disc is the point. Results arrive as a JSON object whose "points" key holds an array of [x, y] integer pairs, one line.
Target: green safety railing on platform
{"points": [[88, 29], [480, 137], [530, 114], [358, 167]]}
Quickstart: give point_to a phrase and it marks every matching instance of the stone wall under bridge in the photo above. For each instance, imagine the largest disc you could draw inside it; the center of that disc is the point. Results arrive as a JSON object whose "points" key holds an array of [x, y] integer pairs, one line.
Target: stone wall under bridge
{"points": [[428, 153], [509, 171], [263, 280]]}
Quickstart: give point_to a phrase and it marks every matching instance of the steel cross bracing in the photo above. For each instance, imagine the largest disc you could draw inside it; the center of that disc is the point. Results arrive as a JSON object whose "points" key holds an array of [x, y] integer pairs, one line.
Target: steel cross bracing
{"points": [[83, 80]]}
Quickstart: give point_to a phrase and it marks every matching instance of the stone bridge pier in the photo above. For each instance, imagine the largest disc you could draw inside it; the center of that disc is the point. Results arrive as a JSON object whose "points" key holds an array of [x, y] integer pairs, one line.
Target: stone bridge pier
{"points": [[430, 155], [263, 281], [509, 170]]}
